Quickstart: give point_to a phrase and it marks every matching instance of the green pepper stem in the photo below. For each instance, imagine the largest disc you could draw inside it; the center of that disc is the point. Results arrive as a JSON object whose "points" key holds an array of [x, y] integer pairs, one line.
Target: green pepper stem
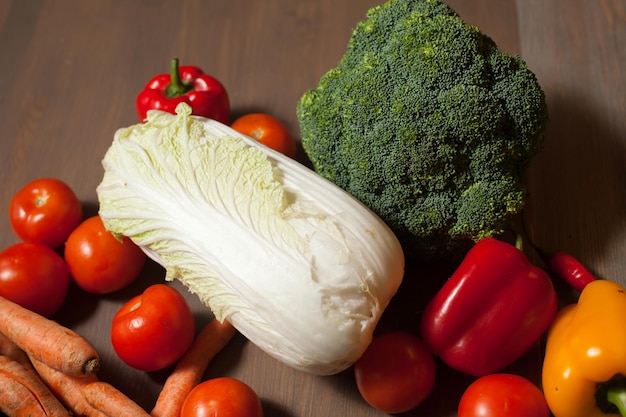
{"points": [[616, 395], [176, 87]]}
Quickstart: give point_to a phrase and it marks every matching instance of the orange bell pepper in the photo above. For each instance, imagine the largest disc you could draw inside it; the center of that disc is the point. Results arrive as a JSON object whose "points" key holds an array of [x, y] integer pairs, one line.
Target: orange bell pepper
{"points": [[584, 370]]}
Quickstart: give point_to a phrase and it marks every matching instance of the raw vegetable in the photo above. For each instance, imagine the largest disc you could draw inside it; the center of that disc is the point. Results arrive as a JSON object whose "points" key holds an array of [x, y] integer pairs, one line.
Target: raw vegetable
{"points": [[28, 378], [297, 265], [47, 341], [16, 400], [267, 130], [584, 369], [111, 401], [153, 330], [563, 265], [427, 123], [13, 351], [45, 211], [185, 84], [493, 308], [396, 373], [34, 276], [68, 389], [99, 262], [503, 395], [222, 397], [191, 367], [569, 269]]}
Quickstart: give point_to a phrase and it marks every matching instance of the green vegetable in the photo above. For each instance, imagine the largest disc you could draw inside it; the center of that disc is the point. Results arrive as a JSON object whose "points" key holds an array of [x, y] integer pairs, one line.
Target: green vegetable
{"points": [[296, 264], [429, 124]]}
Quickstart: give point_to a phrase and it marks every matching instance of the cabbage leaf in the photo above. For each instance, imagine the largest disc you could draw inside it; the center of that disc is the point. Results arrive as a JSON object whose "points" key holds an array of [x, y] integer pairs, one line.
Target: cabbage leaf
{"points": [[298, 266]]}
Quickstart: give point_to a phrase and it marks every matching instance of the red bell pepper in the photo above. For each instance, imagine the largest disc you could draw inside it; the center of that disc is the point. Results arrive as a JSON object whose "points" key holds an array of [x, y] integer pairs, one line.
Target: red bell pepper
{"points": [[206, 96], [493, 308]]}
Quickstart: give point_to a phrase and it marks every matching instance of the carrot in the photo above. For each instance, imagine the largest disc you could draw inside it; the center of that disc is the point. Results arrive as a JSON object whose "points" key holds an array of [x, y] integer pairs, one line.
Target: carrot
{"points": [[47, 341], [190, 368], [26, 376], [68, 389], [13, 351], [105, 397], [16, 400]]}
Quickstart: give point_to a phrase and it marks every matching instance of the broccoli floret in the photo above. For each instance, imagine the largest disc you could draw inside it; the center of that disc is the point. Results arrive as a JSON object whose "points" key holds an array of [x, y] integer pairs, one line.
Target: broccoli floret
{"points": [[429, 124]]}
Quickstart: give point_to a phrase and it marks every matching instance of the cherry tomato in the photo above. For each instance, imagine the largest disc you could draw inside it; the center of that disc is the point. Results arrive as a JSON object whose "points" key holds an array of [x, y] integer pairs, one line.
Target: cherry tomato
{"points": [[222, 397], [152, 330], [34, 276], [396, 373], [98, 261], [503, 395], [267, 130], [45, 211]]}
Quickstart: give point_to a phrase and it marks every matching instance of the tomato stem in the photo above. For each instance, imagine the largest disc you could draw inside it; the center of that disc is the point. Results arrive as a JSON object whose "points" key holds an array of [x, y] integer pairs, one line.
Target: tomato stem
{"points": [[41, 201]]}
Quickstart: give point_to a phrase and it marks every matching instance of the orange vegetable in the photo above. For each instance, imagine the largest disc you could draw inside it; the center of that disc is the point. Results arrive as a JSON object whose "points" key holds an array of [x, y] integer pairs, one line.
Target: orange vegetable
{"points": [[584, 369], [47, 341], [16, 400], [13, 351], [190, 368], [27, 377], [267, 130], [68, 389], [105, 397]]}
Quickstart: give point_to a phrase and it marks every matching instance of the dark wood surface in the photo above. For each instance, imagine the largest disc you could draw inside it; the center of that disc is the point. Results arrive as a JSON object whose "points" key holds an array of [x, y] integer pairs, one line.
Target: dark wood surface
{"points": [[70, 70]]}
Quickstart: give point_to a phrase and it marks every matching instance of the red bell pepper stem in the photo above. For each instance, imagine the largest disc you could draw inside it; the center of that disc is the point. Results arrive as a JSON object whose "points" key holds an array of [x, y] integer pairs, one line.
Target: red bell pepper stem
{"points": [[176, 87], [616, 395], [519, 242]]}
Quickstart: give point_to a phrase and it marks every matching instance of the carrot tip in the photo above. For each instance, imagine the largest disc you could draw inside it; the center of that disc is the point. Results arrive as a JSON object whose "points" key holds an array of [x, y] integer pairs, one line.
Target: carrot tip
{"points": [[91, 367]]}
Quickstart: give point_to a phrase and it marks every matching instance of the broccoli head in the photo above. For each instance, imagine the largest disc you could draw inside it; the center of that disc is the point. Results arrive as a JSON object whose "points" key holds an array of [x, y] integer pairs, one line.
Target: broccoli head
{"points": [[429, 124]]}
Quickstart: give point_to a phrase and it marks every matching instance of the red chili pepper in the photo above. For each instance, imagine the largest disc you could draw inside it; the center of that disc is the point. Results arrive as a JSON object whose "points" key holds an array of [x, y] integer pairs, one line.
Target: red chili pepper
{"points": [[491, 310], [205, 94], [569, 269], [563, 265]]}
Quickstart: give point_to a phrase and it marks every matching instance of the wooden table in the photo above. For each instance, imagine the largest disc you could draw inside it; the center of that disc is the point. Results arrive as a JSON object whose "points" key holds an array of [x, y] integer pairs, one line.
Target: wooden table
{"points": [[70, 71]]}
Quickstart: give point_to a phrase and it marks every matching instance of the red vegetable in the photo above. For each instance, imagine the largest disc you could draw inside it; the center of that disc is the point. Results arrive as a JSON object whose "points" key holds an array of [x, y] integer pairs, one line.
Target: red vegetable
{"points": [[205, 94], [396, 373], [268, 130], [222, 397], [503, 395], [490, 312], [154, 329], [35, 277], [569, 269], [101, 263], [45, 211], [564, 266]]}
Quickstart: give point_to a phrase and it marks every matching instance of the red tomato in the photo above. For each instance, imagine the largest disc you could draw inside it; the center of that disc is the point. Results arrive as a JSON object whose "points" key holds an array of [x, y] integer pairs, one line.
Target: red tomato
{"points": [[153, 330], [45, 211], [34, 276], [503, 395], [267, 130], [98, 261], [222, 397], [396, 373]]}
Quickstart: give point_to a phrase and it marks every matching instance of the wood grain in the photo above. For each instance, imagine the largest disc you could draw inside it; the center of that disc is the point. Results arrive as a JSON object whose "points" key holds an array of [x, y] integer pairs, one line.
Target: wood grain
{"points": [[70, 70]]}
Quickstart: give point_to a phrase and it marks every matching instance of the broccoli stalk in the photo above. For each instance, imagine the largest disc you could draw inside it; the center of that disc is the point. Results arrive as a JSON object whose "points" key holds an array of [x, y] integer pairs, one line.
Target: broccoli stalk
{"points": [[429, 124]]}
